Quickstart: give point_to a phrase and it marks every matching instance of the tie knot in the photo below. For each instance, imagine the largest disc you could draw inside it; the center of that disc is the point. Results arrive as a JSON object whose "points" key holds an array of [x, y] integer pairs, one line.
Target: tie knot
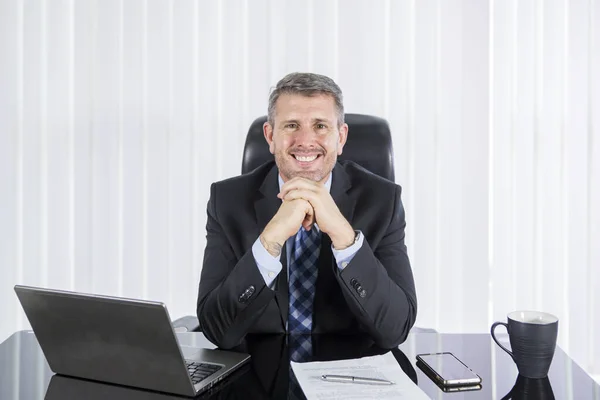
{"points": [[312, 234], [306, 233], [307, 241]]}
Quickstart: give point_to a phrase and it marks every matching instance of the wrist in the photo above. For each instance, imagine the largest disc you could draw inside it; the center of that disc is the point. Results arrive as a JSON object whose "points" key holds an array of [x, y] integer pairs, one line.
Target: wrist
{"points": [[272, 245], [347, 239]]}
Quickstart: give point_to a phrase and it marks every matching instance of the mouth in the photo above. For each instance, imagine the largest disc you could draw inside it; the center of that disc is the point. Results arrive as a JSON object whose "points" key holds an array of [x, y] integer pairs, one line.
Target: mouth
{"points": [[306, 160]]}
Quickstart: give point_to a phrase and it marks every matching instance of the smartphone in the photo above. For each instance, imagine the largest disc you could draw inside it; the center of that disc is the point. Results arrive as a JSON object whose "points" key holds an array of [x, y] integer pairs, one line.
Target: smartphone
{"points": [[443, 388], [447, 370]]}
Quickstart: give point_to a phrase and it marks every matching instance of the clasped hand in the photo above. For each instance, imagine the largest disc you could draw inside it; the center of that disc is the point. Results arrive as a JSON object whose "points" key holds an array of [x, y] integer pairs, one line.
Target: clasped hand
{"points": [[304, 203]]}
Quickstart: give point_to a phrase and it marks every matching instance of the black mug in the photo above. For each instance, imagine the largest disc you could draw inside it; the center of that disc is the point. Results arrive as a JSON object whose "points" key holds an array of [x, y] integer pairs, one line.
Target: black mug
{"points": [[532, 337], [530, 389]]}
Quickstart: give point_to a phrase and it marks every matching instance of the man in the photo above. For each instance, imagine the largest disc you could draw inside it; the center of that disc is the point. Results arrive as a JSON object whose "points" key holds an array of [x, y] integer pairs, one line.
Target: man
{"points": [[306, 244]]}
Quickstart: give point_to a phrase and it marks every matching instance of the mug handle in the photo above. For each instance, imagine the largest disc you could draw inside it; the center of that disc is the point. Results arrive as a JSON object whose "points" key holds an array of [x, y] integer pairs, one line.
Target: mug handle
{"points": [[494, 325]]}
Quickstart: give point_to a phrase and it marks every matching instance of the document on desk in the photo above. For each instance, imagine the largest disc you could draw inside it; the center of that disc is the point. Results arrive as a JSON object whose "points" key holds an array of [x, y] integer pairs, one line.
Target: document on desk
{"points": [[379, 367]]}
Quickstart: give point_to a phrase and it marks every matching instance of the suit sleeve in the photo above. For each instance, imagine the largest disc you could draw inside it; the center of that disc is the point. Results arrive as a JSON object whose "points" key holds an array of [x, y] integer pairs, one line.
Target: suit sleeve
{"points": [[232, 294], [378, 284]]}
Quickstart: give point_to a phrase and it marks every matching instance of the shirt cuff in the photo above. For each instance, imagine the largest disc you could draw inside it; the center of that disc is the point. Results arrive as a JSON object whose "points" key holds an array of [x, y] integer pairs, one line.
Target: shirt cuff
{"points": [[345, 256], [268, 266]]}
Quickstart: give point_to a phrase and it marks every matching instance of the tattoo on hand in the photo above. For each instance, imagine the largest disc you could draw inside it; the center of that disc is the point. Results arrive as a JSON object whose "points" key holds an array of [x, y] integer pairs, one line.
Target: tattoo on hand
{"points": [[273, 248]]}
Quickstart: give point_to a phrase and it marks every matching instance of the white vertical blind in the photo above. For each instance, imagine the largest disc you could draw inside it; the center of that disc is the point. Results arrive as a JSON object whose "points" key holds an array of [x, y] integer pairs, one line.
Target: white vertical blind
{"points": [[115, 117]]}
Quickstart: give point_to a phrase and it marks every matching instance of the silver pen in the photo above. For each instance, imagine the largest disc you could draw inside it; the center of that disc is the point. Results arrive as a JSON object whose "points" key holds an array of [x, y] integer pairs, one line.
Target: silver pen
{"points": [[355, 379]]}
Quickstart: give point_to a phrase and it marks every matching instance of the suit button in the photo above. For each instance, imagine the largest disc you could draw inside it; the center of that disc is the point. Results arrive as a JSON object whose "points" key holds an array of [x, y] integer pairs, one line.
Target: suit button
{"points": [[247, 294], [361, 292], [353, 282]]}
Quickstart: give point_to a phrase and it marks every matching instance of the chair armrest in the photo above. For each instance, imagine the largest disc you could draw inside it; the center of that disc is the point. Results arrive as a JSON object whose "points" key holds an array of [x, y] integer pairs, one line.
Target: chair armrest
{"points": [[189, 323], [416, 329]]}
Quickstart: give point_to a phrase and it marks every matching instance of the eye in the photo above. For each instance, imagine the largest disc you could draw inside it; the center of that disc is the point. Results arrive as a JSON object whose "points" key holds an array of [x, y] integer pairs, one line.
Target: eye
{"points": [[291, 125], [321, 126]]}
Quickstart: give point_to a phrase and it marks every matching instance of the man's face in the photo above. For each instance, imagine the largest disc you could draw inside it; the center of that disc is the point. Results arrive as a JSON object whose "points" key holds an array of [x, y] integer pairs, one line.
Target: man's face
{"points": [[305, 138]]}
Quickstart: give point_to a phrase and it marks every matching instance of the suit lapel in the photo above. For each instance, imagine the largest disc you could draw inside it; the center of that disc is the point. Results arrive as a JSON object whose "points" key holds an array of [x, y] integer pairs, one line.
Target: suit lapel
{"points": [[340, 185], [267, 203], [266, 206]]}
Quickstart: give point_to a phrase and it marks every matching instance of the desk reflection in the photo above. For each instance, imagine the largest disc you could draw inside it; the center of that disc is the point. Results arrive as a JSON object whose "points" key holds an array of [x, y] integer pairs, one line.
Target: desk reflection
{"points": [[62, 387], [270, 378], [25, 375], [265, 377], [530, 389]]}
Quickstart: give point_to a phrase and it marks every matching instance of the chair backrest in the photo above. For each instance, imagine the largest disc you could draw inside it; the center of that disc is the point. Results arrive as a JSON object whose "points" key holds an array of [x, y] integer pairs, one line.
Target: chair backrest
{"points": [[369, 144]]}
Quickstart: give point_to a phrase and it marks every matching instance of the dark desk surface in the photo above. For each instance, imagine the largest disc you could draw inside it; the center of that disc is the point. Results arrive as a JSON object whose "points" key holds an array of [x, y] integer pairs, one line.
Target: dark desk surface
{"points": [[24, 373]]}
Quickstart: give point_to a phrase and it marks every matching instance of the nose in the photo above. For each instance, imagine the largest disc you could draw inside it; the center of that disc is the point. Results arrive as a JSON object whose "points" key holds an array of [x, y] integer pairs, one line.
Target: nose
{"points": [[305, 137]]}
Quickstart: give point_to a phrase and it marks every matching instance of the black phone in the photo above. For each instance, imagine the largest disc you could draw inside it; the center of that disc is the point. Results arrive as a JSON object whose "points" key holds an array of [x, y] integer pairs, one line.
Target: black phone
{"points": [[448, 371]]}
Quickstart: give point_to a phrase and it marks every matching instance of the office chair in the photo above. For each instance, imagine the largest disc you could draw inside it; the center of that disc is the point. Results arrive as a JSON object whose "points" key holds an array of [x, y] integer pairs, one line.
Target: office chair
{"points": [[369, 144]]}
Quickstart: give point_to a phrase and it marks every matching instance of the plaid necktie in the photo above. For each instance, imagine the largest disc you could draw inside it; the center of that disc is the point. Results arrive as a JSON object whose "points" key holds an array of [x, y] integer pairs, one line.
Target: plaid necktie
{"points": [[300, 350], [303, 276], [300, 347]]}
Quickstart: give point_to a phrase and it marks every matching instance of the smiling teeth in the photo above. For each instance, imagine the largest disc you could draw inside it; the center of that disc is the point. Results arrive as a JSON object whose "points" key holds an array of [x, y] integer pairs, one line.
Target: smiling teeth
{"points": [[306, 159]]}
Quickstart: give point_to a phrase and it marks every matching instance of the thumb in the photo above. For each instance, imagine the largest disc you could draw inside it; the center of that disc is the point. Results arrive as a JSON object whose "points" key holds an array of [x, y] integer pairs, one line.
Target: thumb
{"points": [[309, 218]]}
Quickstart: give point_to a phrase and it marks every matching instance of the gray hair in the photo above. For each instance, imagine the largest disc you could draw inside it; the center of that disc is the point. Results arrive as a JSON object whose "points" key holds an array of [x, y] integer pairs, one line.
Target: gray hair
{"points": [[307, 84]]}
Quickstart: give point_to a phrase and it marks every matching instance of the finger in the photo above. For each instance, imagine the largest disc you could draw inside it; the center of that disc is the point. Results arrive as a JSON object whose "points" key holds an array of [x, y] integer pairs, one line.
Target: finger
{"points": [[302, 179], [307, 225], [310, 214], [296, 194], [309, 218], [308, 222], [299, 184]]}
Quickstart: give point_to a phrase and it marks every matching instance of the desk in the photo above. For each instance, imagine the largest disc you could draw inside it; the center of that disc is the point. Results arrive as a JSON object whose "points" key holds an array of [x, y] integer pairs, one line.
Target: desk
{"points": [[24, 373]]}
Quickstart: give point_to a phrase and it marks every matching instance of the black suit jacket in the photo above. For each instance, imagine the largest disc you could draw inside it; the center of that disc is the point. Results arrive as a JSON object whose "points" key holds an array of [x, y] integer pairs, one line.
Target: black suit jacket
{"points": [[375, 293]]}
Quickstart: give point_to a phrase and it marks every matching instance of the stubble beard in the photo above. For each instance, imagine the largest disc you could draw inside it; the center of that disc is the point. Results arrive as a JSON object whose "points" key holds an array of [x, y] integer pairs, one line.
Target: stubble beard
{"points": [[289, 172]]}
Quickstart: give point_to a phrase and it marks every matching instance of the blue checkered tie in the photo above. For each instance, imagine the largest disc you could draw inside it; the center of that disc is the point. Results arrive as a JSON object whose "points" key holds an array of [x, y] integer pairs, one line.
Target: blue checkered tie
{"points": [[303, 275], [300, 348]]}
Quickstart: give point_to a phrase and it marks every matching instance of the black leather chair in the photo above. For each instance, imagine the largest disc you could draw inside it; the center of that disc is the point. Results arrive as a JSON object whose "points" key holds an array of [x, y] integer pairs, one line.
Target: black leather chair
{"points": [[369, 144]]}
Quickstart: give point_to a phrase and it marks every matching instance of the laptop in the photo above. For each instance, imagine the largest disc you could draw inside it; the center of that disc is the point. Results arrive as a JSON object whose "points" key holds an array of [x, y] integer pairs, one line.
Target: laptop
{"points": [[121, 341]]}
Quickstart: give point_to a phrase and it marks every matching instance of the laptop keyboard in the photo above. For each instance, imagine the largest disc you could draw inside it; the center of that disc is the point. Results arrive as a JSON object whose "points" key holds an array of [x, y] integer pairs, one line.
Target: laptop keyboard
{"points": [[200, 371]]}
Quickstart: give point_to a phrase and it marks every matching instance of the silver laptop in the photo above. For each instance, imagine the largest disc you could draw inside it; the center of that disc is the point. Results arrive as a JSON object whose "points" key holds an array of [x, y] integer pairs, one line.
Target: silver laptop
{"points": [[122, 341]]}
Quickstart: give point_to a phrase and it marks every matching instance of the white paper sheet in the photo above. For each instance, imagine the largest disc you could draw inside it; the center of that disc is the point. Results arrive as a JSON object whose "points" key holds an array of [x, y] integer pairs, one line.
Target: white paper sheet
{"points": [[382, 366]]}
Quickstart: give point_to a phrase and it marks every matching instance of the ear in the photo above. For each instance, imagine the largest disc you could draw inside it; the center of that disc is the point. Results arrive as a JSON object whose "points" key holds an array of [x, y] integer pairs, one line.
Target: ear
{"points": [[268, 132], [342, 137]]}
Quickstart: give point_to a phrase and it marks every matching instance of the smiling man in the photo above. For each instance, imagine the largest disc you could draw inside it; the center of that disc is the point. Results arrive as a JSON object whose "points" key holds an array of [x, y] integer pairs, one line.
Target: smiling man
{"points": [[306, 244]]}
